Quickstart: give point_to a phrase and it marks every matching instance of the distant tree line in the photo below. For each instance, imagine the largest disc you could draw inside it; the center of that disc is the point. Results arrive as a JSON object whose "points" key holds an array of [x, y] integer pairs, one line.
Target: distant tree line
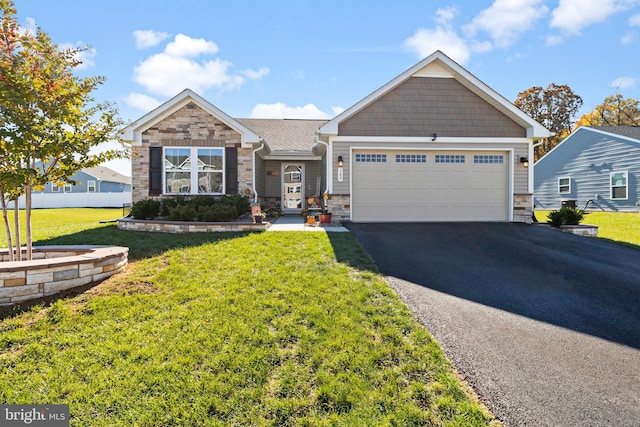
{"points": [[557, 106]]}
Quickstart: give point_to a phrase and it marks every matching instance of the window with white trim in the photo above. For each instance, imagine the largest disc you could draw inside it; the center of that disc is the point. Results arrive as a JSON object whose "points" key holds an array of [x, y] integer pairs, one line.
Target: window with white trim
{"points": [[619, 182], [194, 170], [68, 188], [91, 186], [564, 185]]}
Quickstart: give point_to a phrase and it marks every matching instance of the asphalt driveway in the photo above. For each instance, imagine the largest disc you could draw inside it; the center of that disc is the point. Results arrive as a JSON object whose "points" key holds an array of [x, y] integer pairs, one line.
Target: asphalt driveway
{"points": [[544, 325]]}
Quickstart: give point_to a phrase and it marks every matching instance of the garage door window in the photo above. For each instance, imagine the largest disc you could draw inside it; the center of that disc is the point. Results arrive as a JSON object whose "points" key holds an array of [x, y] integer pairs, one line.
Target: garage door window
{"points": [[371, 158], [488, 159], [411, 158], [449, 158]]}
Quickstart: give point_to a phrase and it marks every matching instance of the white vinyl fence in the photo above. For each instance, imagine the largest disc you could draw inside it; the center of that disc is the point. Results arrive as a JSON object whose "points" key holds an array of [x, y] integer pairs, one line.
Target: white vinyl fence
{"points": [[77, 200]]}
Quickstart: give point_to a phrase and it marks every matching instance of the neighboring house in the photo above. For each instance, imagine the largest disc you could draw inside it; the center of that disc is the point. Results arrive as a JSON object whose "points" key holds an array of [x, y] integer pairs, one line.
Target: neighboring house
{"points": [[595, 168], [90, 188], [433, 144]]}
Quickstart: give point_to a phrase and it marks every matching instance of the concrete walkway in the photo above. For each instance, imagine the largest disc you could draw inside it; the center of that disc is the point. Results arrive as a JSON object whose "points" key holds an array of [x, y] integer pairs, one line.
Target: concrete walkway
{"points": [[296, 223]]}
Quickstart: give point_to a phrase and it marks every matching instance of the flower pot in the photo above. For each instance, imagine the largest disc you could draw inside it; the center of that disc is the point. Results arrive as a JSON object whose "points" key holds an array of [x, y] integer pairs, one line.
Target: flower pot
{"points": [[325, 218], [257, 219]]}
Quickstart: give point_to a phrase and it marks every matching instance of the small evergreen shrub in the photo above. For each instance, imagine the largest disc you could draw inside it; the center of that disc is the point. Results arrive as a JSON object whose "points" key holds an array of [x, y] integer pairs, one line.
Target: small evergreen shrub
{"points": [[145, 209], [566, 216], [240, 202]]}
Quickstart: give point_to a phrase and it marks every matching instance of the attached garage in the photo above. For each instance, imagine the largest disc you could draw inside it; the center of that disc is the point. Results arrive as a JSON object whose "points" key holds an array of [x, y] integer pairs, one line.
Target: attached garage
{"points": [[415, 185], [433, 144]]}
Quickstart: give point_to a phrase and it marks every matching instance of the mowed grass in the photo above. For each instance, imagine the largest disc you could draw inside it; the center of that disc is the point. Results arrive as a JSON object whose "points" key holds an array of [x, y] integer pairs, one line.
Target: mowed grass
{"points": [[621, 227], [264, 329]]}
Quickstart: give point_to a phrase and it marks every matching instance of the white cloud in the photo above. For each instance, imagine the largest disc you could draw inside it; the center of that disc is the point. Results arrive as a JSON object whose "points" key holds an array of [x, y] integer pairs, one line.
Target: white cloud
{"points": [[142, 101], [634, 21], [178, 67], [337, 110], [255, 74], [622, 83], [187, 47], [506, 20], [282, 111], [148, 38], [426, 41], [572, 16], [85, 54], [553, 40], [628, 38], [30, 26]]}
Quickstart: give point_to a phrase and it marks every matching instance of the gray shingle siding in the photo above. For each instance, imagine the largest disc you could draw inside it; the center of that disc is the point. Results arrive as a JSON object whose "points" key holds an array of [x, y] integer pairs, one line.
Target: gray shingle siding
{"points": [[422, 106], [588, 157]]}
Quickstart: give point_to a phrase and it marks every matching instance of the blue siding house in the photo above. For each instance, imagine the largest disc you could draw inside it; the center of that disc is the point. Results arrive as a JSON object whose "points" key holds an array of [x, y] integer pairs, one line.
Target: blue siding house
{"points": [[595, 168]]}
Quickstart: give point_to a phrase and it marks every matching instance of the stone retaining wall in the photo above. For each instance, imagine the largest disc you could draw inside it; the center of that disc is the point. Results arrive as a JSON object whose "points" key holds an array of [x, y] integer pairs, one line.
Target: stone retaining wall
{"points": [[586, 230], [188, 227], [57, 268]]}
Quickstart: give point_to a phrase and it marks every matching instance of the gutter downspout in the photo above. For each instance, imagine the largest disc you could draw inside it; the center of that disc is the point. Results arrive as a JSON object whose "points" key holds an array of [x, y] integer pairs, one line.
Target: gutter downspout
{"points": [[326, 190], [253, 173]]}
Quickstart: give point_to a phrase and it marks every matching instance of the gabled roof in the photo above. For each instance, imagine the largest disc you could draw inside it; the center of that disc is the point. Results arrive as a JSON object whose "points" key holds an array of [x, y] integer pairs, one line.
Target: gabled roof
{"points": [[630, 131], [615, 132], [107, 175], [134, 131], [286, 135], [440, 65]]}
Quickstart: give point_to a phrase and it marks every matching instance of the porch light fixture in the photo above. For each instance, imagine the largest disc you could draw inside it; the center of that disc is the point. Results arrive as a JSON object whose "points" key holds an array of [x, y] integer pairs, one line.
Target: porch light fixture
{"points": [[524, 161], [434, 136], [340, 162]]}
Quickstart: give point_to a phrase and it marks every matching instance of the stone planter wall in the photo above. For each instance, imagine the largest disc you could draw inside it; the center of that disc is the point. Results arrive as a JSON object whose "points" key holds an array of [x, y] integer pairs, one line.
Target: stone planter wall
{"points": [[587, 230], [57, 268], [189, 227]]}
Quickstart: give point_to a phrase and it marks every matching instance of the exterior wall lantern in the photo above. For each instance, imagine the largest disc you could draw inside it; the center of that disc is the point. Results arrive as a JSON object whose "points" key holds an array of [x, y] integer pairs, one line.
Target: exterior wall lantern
{"points": [[340, 170], [340, 162], [524, 161]]}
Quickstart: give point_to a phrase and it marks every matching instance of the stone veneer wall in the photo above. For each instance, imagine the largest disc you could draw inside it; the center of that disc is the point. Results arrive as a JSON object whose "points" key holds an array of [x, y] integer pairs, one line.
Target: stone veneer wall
{"points": [[188, 227], [340, 207], [190, 126], [523, 208], [57, 268]]}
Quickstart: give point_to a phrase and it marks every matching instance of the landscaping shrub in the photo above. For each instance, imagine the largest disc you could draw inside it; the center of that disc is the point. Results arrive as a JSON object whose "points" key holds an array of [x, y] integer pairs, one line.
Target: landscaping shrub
{"points": [[566, 216], [145, 209], [240, 202]]}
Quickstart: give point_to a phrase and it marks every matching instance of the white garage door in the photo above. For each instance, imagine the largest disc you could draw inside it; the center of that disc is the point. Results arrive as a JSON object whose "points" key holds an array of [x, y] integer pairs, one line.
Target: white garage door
{"points": [[423, 186]]}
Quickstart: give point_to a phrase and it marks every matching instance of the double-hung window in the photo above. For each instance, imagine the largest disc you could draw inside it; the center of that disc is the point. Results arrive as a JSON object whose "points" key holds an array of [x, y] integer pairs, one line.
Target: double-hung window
{"points": [[564, 185], [194, 170], [619, 182], [91, 186]]}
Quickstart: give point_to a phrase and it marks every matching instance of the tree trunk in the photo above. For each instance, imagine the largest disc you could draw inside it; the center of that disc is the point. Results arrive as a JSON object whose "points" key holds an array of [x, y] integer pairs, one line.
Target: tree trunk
{"points": [[27, 211], [16, 227], [7, 226]]}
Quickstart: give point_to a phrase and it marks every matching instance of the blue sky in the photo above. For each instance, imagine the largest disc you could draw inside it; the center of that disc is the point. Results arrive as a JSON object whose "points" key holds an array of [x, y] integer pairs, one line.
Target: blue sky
{"points": [[311, 59]]}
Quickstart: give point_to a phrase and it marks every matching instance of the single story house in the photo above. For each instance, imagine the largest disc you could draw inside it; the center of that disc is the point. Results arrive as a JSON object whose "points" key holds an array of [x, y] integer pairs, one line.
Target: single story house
{"points": [[433, 144], [594, 168], [96, 187]]}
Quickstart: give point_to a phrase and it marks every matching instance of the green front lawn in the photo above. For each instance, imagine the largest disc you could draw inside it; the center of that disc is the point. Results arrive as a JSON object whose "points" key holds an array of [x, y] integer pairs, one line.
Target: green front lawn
{"points": [[621, 227], [244, 329]]}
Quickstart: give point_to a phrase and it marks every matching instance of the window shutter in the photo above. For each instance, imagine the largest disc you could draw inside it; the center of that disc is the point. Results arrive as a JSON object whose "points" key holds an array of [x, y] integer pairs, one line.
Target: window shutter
{"points": [[231, 169], [155, 171]]}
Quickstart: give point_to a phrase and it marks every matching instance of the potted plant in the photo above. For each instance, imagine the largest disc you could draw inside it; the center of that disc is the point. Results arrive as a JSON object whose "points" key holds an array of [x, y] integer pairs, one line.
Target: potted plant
{"points": [[257, 214], [325, 215]]}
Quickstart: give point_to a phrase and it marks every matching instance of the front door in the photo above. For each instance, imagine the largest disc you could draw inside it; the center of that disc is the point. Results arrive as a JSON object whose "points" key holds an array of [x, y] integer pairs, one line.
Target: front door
{"points": [[292, 187]]}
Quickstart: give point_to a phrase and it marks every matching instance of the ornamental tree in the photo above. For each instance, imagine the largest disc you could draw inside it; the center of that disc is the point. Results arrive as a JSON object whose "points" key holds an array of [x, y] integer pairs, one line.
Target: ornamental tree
{"points": [[48, 120], [555, 107]]}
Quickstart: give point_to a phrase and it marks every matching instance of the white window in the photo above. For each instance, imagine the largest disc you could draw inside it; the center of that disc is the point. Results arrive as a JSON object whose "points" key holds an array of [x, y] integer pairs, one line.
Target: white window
{"points": [[91, 186], [371, 158], [449, 158], [619, 185], [55, 188], [488, 159], [68, 188], [564, 185], [194, 170]]}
